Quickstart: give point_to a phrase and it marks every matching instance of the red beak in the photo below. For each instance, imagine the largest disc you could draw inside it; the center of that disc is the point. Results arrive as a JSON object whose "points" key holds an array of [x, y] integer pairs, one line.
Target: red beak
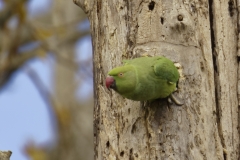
{"points": [[109, 82]]}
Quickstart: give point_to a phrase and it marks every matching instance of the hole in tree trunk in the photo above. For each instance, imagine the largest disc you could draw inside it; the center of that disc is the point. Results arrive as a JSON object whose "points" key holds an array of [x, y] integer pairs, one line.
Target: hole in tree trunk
{"points": [[151, 5]]}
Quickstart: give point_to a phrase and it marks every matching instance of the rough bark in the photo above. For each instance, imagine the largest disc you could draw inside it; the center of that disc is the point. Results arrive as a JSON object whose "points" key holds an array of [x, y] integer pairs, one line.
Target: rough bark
{"points": [[201, 38], [224, 49]]}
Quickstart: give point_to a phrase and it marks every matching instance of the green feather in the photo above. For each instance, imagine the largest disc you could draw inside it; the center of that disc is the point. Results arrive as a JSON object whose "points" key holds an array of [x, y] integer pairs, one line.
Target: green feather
{"points": [[145, 78]]}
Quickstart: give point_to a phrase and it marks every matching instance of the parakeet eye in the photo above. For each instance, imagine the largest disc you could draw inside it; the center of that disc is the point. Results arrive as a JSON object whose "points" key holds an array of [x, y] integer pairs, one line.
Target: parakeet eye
{"points": [[120, 74]]}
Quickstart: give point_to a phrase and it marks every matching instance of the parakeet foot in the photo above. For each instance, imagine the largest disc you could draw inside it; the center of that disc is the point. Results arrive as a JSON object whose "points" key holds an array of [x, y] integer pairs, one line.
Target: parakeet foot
{"points": [[178, 101]]}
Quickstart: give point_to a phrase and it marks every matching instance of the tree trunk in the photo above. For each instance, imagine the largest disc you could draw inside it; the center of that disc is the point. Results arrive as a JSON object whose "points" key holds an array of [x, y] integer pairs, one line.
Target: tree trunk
{"points": [[201, 38]]}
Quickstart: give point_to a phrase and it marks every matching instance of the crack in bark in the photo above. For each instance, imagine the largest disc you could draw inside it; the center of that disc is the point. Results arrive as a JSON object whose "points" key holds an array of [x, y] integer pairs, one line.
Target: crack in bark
{"points": [[96, 117], [216, 77], [130, 42], [96, 77], [238, 58], [147, 131], [175, 44]]}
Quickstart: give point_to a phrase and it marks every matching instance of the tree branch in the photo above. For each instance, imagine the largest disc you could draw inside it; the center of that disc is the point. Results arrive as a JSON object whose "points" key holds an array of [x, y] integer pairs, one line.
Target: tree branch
{"points": [[9, 10], [5, 155], [85, 5]]}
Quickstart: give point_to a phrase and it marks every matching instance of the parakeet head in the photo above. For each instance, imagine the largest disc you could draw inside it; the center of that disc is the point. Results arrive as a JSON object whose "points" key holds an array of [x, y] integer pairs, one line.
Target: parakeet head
{"points": [[122, 79]]}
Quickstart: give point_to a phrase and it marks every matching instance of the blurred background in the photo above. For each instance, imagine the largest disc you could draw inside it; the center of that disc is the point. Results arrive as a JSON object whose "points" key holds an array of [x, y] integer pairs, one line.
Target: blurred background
{"points": [[46, 84]]}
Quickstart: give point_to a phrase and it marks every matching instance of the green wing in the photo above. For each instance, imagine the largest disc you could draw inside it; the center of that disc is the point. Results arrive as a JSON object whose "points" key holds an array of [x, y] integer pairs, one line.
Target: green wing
{"points": [[164, 68]]}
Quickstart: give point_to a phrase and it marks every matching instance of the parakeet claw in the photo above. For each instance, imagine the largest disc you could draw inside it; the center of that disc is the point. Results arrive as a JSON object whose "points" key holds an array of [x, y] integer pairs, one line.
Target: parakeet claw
{"points": [[169, 100], [175, 99]]}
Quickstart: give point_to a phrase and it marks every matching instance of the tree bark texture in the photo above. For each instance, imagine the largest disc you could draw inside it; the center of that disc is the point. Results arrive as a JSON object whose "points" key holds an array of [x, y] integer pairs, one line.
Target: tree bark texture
{"points": [[201, 37]]}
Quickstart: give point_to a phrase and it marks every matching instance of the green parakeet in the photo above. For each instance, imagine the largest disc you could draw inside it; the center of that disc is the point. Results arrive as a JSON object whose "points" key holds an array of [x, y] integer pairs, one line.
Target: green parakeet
{"points": [[144, 78]]}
